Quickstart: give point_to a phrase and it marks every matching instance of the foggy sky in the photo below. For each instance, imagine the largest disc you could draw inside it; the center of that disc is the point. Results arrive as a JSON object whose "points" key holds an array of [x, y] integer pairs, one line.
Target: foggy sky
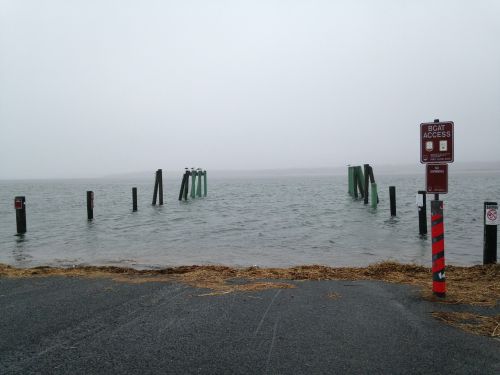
{"points": [[89, 88]]}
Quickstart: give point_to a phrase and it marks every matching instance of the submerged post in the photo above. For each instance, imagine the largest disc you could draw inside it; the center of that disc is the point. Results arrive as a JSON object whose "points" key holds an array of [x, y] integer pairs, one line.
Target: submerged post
{"points": [[90, 205], [422, 212], [205, 183], [193, 183], [490, 232], [155, 191], [160, 181], [186, 185], [198, 191], [367, 184], [392, 198], [438, 262], [374, 196], [183, 183], [134, 199], [20, 206]]}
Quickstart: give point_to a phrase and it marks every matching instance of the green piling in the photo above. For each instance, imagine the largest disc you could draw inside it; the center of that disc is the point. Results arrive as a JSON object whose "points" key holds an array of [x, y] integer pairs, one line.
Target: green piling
{"points": [[374, 195], [193, 183], [361, 181], [351, 181], [198, 190], [205, 183]]}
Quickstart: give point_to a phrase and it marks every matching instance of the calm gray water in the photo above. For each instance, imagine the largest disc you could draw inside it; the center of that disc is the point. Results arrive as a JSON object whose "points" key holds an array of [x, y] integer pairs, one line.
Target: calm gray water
{"points": [[278, 221]]}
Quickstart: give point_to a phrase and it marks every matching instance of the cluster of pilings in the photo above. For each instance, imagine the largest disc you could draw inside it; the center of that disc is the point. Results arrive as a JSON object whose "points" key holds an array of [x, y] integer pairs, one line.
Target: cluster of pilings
{"points": [[196, 184], [359, 184]]}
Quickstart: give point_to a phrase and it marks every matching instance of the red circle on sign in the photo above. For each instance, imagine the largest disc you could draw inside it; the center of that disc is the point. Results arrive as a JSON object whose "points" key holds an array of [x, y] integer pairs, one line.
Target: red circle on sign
{"points": [[492, 215]]}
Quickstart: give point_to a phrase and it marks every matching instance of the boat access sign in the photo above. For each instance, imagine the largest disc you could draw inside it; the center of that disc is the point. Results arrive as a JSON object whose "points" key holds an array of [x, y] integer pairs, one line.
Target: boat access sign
{"points": [[436, 142]]}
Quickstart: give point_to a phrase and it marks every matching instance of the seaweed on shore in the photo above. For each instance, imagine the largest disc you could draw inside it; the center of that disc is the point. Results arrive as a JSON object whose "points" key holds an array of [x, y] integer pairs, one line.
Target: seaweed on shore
{"points": [[473, 323], [476, 285]]}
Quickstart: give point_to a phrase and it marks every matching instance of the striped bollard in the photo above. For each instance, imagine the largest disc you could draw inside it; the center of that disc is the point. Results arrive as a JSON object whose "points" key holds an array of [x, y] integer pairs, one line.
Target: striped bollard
{"points": [[438, 264]]}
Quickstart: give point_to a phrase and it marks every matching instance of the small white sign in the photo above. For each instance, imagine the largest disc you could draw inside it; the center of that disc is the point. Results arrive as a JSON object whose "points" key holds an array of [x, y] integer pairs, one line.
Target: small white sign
{"points": [[491, 215], [429, 146], [420, 200], [443, 145]]}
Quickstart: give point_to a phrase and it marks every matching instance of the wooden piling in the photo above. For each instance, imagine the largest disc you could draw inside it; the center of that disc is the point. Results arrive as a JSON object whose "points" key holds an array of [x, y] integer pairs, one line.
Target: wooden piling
{"points": [[367, 185], [134, 199], [198, 191], [20, 206], [392, 198], [160, 181], [90, 205], [183, 183], [422, 212], [205, 183], [155, 191]]}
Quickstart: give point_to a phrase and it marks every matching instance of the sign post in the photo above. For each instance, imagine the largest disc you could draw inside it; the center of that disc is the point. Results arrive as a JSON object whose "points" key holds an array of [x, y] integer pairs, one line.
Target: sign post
{"points": [[436, 151], [490, 232]]}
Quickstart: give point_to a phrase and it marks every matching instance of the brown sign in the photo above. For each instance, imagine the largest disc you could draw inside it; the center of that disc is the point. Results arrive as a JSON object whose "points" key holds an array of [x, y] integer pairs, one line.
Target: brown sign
{"points": [[436, 178], [436, 142]]}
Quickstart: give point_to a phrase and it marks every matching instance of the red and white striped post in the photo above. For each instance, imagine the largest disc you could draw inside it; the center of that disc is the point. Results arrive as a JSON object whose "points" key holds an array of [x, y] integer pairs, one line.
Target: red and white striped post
{"points": [[438, 264]]}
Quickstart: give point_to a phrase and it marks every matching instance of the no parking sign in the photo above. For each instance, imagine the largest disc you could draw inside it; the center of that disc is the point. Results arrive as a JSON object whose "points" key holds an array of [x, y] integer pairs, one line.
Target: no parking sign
{"points": [[491, 214]]}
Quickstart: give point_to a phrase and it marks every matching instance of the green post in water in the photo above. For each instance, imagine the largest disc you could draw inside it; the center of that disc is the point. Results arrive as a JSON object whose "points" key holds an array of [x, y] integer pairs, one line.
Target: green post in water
{"points": [[350, 177], [205, 183], [361, 180], [374, 195], [193, 183], [198, 188]]}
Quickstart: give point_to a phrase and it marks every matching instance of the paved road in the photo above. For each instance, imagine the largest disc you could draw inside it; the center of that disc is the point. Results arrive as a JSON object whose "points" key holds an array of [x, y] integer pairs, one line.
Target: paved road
{"points": [[58, 325]]}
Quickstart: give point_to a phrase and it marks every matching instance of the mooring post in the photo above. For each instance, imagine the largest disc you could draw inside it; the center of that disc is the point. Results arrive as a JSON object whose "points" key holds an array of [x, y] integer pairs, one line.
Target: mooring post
{"points": [[349, 180], [490, 232], [155, 191], [160, 181], [367, 184], [374, 196], [392, 198], [20, 206], [372, 179], [422, 212], [90, 205], [205, 190], [181, 192], [186, 185], [198, 191], [134, 199], [361, 182], [355, 178], [438, 261], [193, 183]]}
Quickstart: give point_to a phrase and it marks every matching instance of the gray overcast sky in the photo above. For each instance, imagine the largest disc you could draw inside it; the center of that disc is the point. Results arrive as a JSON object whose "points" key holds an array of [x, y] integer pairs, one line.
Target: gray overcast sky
{"points": [[97, 87]]}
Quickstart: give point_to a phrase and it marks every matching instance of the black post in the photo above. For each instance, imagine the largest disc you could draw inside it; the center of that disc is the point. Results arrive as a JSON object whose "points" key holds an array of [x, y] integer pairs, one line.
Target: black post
{"points": [[20, 206], [366, 168], [134, 199], [160, 180], [436, 197], [155, 191], [90, 205], [422, 214], [181, 192], [355, 178], [490, 232], [392, 198], [186, 185]]}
